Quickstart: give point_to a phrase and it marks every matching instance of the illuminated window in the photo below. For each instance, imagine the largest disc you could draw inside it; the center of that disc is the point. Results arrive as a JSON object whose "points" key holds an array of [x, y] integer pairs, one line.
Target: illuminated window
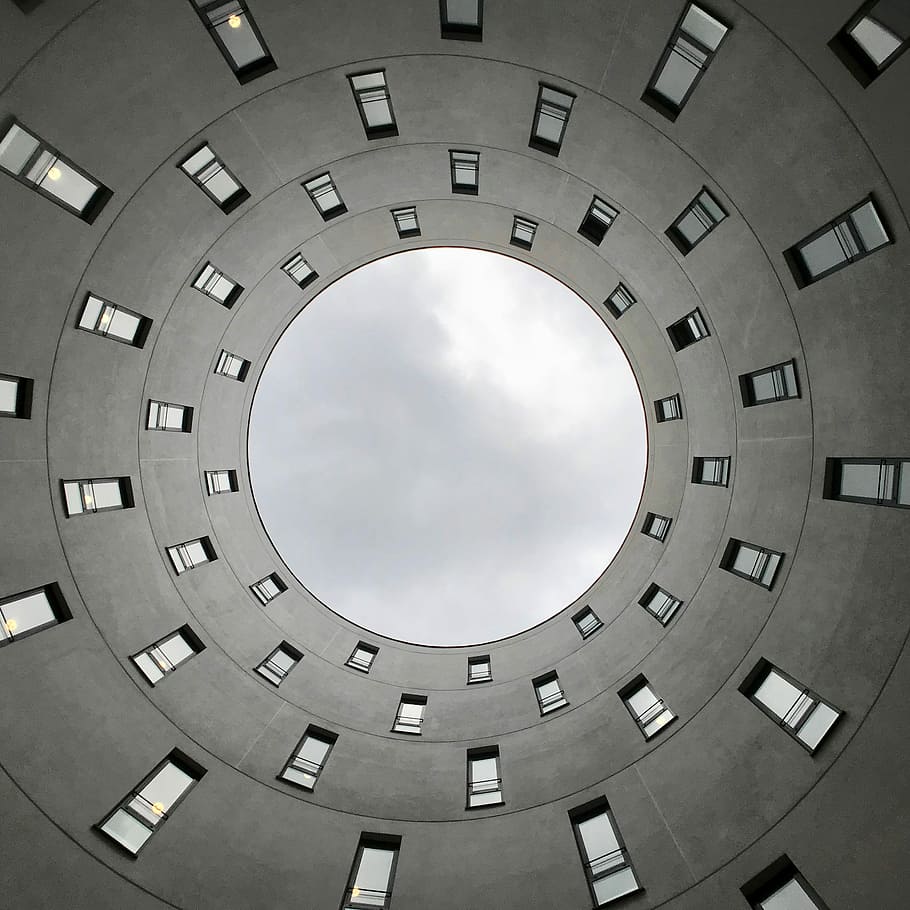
{"points": [[110, 320], [597, 221], [753, 563], [523, 231], [587, 622], [163, 415], [713, 470], [696, 221], [362, 657], [98, 495], [409, 717], [551, 116], [32, 611], [16, 396], [232, 365], [777, 383], [190, 554], [461, 19], [215, 284], [164, 656], [268, 588], [465, 169], [549, 694], [656, 526], [649, 711], [484, 778], [374, 104], [620, 300], [299, 270], [668, 408], [308, 759], [325, 196], [235, 33], [661, 604], [688, 330], [873, 39], [406, 222], [480, 669], [874, 481], [221, 482], [373, 873], [211, 175], [279, 663]]}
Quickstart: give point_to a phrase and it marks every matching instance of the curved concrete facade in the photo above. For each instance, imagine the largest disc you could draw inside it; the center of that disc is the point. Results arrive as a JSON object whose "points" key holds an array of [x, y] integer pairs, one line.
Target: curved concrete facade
{"points": [[785, 138]]}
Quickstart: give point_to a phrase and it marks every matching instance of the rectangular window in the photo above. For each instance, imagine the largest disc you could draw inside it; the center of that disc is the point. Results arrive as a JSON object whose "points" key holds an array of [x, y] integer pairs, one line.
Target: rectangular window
{"points": [[409, 717], [166, 654], [874, 481], [661, 604], [484, 778], [16, 396], [374, 103], [551, 116], [607, 865], [191, 553], [232, 366], [406, 222], [279, 663], [650, 712], [697, 220], [30, 612], [98, 495], [692, 47], [465, 169], [668, 408], [221, 482], [587, 622], [373, 873], [851, 236], [597, 221], [656, 526], [804, 715], [549, 695], [268, 588], [713, 470], [42, 168], [210, 173], [620, 300], [753, 563], [873, 39], [146, 808], [110, 320], [309, 758], [480, 669], [523, 232], [325, 196], [215, 284], [688, 330], [299, 271], [234, 31], [362, 657], [163, 415], [781, 887], [461, 20], [777, 383]]}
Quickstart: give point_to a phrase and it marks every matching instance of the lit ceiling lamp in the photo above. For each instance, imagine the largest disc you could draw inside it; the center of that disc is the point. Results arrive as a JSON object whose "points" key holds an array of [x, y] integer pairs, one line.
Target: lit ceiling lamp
{"points": [[234, 20], [55, 173], [158, 808], [11, 625]]}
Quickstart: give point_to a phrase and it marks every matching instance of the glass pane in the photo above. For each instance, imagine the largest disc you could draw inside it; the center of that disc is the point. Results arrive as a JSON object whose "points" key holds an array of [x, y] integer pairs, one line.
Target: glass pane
{"points": [[314, 750], [463, 12], [68, 185], [862, 480], [299, 777], [903, 484], [790, 897], [328, 200], [815, 728], [240, 40], [483, 769], [176, 649], [869, 226], [548, 689], [127, 830], [676, 78], [641, 700], [876, 40], [549, 126], [221, 288], [198, 160], [196, 552], [712, 208], [703, 27], [600, 840], [409, 709], [616, 885], [777, 695], [165, 788], [106, 494], [369, 80], [746, 558], [823, 253], [266, 671], [485, 797], [173, 417], [658, 723], [73, 498], [28, 612], [90, 313], [692, 228], [770, 569], [763, 388], [123, 325], [16, 147], [222, 185], [789, 372], [377, 111], [149, 668], [374, 872], [283, 660]]}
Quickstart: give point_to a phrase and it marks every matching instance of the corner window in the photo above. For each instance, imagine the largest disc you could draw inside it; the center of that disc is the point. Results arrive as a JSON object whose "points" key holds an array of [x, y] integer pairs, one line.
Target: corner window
{"points": [[777, 383], [279, 663], [781, 887], [523, 231], [597, 221], [162, 415], [211, 175], [374, 104], [696, 221], [308, 759], [268, 588], [373, 873], [461, 20], [146, 808], [299, 271], [587, 622], [16, 396], [98, 495], [661, 604], [409, 717], [479, 669], [691, 49], [190, 554], [325, 196], [713, 470], [38, 165], [688, 330], [484, 778], [873, 39], [656, 526], [236, 35], [406, 222], [215, 284], [648, 710], [549, 694], [807, 717], [465, 169], [231, 365], [32, 611], [668, 408], [362, 657], [874, 481], [101, 317], [165, 655], [619, 301], [551, 116], [753, 563], [217, 482]]}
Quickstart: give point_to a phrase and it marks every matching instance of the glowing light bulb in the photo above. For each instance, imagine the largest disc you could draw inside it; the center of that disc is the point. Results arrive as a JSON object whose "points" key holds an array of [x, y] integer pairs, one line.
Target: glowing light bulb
{"points": [[355, 892], [11, 625], [88, 499], [234, 21], [158, 808], [105, 317], [55, 173]]}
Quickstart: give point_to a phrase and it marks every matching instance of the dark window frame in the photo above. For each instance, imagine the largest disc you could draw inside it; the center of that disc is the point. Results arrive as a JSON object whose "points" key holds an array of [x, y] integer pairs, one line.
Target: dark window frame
{"points": [[250, 71], [636, 685], [698, 463], [374, 841], [580, 615], [650, 517], [185, 427], [542, 680], [849, 51], [621, 290], [404, 720], [518, 241], [675, 330], [188, 635], [480, 753], [25, 389], [386, 130], [276, 580], [402, 212], [56, 601], [292, 263], [774, 877], [233, 481], [207, 547], [362, 646], [647, 598], [233, 294], [335, 210], [747, 385], [833, 471], [313, 732], [732, 550], [465, 189], [684, 245], [142, 330], [288, 649], [594, 228], [477, 660], [459, 31], [126, 495], [236, 199], [241, 373], [661, 418], [539, 143]]}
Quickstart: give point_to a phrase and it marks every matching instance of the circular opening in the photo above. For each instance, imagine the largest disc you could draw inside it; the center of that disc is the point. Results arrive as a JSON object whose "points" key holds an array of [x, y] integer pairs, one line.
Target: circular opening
{"points": [[447, 446]]}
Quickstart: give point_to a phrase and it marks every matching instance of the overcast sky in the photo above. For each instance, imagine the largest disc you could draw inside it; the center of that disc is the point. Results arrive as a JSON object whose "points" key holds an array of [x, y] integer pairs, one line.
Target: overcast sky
{"points": [[447, 446]]}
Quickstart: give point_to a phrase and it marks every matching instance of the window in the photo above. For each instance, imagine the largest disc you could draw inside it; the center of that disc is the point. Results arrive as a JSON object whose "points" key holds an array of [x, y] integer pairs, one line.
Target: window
{"points": [[210, 173], [191, 553], [165, 655], [325, 196], [850, 237], [692, 46], [461, 19], [551, 116], [697, 220], [875, 481], [523, 232], [777, 383], [479, 669], [215, 284], [299, 271], [41, 167], [607, 865], [16, 396], [597, 220], [146, 808], [165, 416], [650, 712], [781, 887], [587, 622], [549, 695], [309, 758], [751, 562], [668, 408], [410, 714], [234, 31], [374, 104], [661, 604], [484, 779], [268, 588], [30, 612], [221, 482], [113, 321], [873, 39], [804, 715], [279, 663], [688, 330], [619, 301], [656, 526], [713, 470], [465, 168], [101, 495], [373, 873], [362, 657], [406, 222], [232, 365]]}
